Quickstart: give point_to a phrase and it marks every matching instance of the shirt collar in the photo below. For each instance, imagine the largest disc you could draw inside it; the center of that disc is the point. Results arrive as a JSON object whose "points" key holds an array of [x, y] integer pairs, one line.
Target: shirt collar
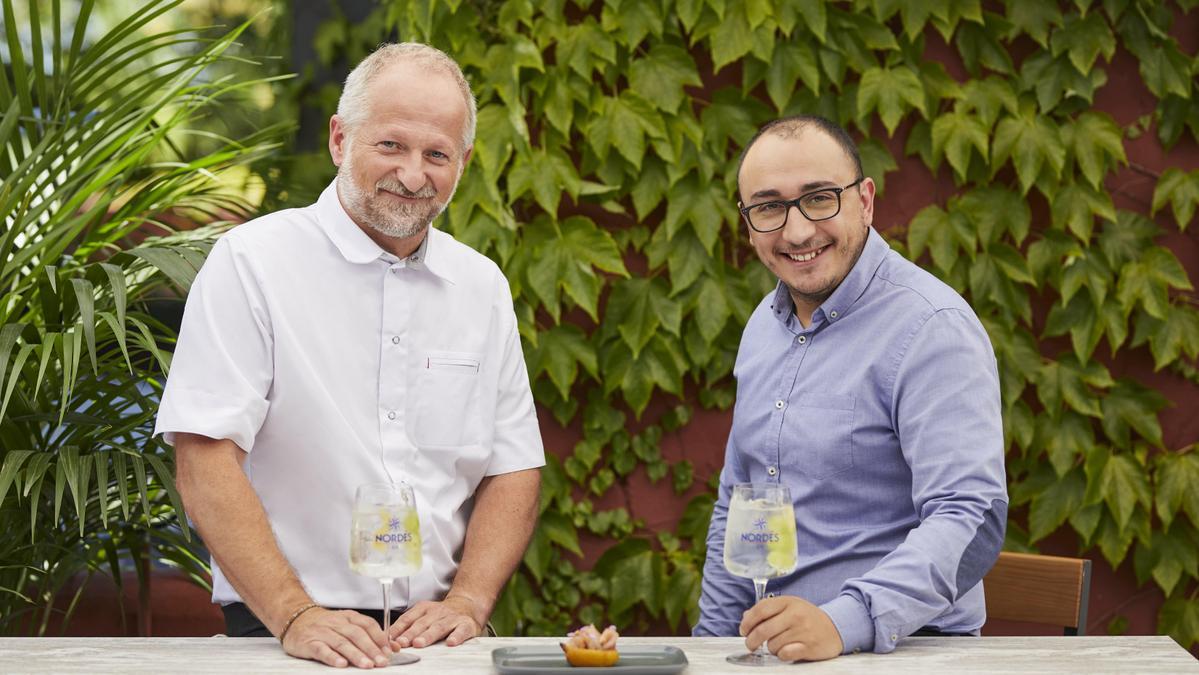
{"points": [[358, 248], [847, 293]]}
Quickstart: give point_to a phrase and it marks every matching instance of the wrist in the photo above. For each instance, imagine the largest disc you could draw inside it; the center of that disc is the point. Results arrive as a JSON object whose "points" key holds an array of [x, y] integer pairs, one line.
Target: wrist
{"points": [[478, 608], [294, 617], [279, 612]]}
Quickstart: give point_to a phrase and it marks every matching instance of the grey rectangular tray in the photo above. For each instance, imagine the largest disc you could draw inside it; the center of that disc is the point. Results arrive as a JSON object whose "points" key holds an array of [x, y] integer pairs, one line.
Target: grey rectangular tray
{"points": [[638, 660]]}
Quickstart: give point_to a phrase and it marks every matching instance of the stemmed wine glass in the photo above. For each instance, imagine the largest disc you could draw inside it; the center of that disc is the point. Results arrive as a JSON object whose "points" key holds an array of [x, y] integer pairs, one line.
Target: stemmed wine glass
{"points": [[385, 542], [759, 544]]}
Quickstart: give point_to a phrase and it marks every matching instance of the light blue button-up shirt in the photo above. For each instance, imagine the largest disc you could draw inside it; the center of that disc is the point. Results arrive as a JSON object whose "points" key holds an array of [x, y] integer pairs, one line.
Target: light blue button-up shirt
{"points": [[883, 419]]}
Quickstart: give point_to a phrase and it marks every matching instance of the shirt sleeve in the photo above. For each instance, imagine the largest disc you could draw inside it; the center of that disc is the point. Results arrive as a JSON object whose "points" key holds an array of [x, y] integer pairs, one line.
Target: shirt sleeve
{"points": [[222, 367], [516, 444], [946, 409], [723, 597]]}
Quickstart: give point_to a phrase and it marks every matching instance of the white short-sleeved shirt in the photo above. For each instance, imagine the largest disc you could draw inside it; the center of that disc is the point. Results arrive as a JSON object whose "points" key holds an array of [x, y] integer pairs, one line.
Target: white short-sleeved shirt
{"points": [[327, 359]]}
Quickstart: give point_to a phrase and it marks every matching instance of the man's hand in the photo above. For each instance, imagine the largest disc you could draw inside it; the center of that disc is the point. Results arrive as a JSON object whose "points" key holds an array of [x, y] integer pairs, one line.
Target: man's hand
{"points": [[456, 619], [792, 628], [338, 639]]}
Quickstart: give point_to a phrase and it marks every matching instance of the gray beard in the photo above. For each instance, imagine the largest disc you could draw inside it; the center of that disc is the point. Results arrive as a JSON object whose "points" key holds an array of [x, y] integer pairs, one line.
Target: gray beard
{"points": [[401, 222]]}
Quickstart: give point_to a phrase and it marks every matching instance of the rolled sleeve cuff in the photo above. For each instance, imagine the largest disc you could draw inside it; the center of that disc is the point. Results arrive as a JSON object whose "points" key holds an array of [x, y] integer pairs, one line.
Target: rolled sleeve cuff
{"points": [[198, 412], [853, 622]]}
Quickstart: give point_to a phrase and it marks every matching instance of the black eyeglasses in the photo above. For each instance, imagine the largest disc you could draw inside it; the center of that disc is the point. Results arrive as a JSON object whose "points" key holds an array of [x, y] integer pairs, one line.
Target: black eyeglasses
{"points": [[816, 205]]}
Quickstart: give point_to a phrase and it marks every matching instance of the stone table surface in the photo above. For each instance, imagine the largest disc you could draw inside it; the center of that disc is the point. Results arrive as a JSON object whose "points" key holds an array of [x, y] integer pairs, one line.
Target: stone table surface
{"points": [[1091, 655]]}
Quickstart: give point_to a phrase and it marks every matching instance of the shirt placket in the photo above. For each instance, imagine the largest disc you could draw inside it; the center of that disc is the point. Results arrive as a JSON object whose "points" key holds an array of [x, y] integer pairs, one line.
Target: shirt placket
{"points": [[394, 346], [784, 394]]}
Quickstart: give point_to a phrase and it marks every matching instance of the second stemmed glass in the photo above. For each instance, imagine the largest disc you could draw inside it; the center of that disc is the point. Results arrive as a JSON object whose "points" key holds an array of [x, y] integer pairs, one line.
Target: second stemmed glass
{"points": [[385, 542], [760, 544]]}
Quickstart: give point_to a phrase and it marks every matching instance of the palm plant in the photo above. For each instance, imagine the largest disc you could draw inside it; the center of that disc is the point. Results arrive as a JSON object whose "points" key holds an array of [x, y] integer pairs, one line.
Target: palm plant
{"points": [[93, 171]]}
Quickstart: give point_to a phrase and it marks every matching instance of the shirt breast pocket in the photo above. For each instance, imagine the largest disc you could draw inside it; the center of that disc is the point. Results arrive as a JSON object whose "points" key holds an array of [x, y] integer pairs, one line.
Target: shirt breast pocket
{"points": [[818, 433], [447, 395]]}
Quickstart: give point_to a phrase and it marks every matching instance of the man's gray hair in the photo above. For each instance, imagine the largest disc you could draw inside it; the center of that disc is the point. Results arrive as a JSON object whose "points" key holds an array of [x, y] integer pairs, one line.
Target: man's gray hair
{"points": [[351, 107]]}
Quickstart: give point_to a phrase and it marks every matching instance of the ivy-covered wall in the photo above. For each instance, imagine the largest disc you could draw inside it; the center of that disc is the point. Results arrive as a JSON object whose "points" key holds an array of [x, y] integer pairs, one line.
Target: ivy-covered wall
{"points": [[1040, 157]]}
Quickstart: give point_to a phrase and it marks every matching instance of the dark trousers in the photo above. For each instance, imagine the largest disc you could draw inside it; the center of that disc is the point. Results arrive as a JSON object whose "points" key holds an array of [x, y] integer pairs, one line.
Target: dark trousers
{"points": [[241, 622], [932, 632]]}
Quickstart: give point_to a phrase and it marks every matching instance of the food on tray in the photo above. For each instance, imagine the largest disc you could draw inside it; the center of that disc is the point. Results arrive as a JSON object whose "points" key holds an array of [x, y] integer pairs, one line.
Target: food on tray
{"points": [[588, 647]]}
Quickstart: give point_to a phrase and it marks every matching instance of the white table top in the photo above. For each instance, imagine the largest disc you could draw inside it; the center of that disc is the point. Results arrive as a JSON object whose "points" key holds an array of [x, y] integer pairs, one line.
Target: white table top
{"points": [[1091, 655]]}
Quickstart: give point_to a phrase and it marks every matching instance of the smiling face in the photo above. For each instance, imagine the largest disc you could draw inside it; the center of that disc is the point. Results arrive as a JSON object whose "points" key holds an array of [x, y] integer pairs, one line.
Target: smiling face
{"points": [[810, 258], [398, 167]]}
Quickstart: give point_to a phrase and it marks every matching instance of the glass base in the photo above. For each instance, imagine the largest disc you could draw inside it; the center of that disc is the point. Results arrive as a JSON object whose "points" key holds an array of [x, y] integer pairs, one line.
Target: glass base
{"points": [[753, 659], [403, 658]]}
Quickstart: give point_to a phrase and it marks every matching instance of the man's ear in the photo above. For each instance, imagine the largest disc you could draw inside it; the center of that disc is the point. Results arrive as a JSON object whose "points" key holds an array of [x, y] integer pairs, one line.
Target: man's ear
{"points": [[866, 195], [337, 139]]}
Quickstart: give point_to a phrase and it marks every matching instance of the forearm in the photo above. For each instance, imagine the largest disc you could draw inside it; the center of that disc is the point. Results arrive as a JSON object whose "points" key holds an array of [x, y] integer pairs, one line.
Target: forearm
{"points": [[501, 525], [230, 518]]}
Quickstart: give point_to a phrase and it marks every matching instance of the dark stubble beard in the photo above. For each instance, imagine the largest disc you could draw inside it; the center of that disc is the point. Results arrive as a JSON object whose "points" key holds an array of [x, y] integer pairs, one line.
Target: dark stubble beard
{"points": [[815, 298]]}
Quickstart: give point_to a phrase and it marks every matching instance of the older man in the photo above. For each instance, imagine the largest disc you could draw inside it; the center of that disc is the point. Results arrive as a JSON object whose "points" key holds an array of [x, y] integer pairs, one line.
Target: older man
{"points": [[870, 389], [346, 343]]}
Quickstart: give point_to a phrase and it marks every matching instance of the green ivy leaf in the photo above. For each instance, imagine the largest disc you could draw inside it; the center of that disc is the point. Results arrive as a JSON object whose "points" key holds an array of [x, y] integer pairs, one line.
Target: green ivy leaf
{"points": [[1054, 505], [638, 307], [681, 591], [635, 19], [545, 173], [792, 62], [890, 92], [1114, 541], [1179, 618], [1083, 39], [979, 46], [713, 308], [1147, 282], [1080, 319], [996, 211], [564, 262], [1032, 18], [1031, 142], [1176, 476], [987, 98], [584, 47], [729, 118], [1075, 206], [1093, 138], [539, 555], [1085, 520], [1181, 189], [684, 254], [629, 570], [931, 229], [660, 77], [1054, 79], [954, 134], [558, 529], [1131, 405], [732, 39], [702, 204], [877, 162], [624, 122], [660, 365], [1066, 380], [1125, 487], [1166, 70], [1175, 551], [560, 351], [815, 18], [1085, 271]]}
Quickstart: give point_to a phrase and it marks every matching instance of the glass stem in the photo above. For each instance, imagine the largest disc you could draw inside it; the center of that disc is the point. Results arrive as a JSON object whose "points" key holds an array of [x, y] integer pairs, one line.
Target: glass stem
{"points": [[759, 592], [386, 608]]}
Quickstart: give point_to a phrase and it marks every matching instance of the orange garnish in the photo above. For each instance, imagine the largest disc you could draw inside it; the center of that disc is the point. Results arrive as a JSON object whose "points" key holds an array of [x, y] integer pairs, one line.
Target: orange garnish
{"points": [[590, 658]]}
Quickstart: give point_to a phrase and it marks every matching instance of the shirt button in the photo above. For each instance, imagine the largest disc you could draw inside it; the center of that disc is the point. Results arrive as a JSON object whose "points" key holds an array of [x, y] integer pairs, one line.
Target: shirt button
{"points": [[833, 314], [894, 637], [857, 650], [415, 258], [391, 414], [770, 595], [801, 339], [772, 471], [779, 404], [395, 339]]}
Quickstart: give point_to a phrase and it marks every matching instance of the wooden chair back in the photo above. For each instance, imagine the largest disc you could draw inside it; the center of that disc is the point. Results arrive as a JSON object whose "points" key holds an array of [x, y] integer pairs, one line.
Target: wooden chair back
{"points": [[1041, 589]]}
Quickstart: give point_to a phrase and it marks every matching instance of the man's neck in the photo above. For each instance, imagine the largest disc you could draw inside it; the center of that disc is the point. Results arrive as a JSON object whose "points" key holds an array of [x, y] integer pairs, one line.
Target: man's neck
{"points": [[400, 247]]}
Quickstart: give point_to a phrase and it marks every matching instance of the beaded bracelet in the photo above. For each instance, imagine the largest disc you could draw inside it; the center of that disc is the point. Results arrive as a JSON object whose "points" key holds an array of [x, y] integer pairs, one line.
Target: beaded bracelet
{"points": [[295, 615]]}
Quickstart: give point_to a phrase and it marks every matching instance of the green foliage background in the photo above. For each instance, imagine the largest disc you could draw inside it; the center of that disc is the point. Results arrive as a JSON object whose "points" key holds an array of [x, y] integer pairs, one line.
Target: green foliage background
{"points": [[603, 184]]}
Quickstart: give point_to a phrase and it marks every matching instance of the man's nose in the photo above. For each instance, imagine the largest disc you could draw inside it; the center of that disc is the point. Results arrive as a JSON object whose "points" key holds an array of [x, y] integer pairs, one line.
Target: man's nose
{"points": [[410, 173], [798, 228]]}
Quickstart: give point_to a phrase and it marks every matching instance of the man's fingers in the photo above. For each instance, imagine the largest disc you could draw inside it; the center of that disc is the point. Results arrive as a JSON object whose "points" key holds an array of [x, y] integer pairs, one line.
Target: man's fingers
{"points": [[353, 651], [429, 630], [465, 631], [794, 651], [772, 629], [372, 630], [760, 612], [325, 654], [405, 621]]}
